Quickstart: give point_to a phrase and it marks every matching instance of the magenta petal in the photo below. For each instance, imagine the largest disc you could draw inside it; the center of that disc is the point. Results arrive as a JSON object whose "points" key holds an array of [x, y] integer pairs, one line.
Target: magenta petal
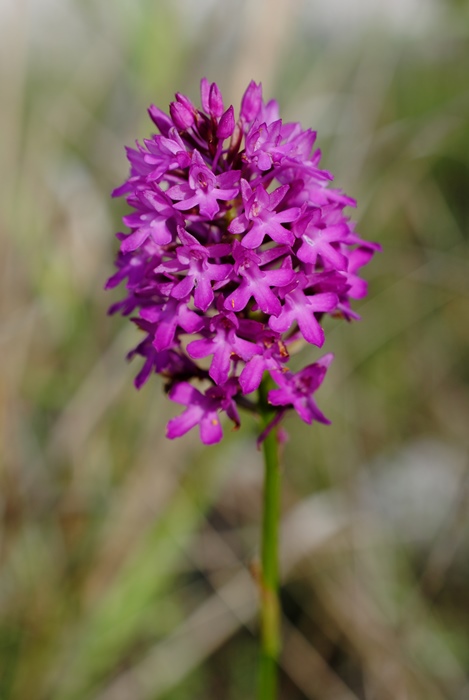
{"points": [[333, 257], [310, 328], [251, 376], [164, 335], [208, 206], [219, 272], [229, 180], [204, 94], [325, 360], [210, 429], [244, 348], [189, 320], [246, 190], [183, 288], [238, 299], [277, 195], [304, 411], [151, 313], [134, 240], [284, 320], [182, 424], [201, 348], [179, 191], [254, 237], [288, 215], [159, 232], [184, 393], [280, 277], [187, 203], [278, 397], [265, 298], [326, 301], [251, 102], [308, 411], [358, 288], [203, 295], [238, 225], [264, 161], [220, 367], [144, 373], [215, 101], [278, 233], [160, 119]]}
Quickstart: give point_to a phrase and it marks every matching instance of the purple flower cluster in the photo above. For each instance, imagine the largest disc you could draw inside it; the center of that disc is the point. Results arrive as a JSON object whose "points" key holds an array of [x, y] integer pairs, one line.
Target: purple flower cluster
{"points": [[237, 248]]}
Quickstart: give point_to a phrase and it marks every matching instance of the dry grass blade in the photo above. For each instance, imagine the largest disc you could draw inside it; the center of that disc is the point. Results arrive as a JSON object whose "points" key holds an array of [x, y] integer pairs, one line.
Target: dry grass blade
{"points": [[210, 626], [309, 671]]}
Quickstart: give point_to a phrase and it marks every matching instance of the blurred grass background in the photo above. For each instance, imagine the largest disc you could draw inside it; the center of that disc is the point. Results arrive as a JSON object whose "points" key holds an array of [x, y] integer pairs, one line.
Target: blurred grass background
{"points": [[125, 558]]}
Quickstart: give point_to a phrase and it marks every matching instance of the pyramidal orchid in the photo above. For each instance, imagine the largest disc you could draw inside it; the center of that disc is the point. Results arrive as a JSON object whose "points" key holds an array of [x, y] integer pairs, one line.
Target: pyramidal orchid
{"points": [[237, 247]]}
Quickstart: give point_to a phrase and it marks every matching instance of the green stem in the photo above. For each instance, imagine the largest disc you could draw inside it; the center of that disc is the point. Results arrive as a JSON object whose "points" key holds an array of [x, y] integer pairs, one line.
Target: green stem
{"points": [[270, 608]]}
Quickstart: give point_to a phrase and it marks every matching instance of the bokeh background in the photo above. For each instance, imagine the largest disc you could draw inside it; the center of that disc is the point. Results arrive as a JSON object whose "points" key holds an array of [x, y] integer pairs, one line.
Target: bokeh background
{"points": [[125, 558]]}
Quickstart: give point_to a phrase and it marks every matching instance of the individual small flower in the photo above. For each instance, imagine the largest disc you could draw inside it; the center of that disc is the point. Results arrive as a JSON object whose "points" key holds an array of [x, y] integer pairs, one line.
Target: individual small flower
{"points": [[237, 249], [153, 217], [167, 317], [302, 308], [298, 389], [162, 154], [192, 259], [169, 363], [261, 217], [204, 189], [202, 410], [256, 283], [321, 237], [271, 356], [261, 143], [224, 344]]}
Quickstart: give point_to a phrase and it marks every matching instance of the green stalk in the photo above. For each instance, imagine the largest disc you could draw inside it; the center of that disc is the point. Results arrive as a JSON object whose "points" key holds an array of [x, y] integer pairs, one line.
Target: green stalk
{"points": [[269, 602]]}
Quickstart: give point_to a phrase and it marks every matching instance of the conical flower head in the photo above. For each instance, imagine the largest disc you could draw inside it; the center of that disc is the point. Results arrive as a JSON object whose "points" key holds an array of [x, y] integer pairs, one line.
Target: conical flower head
{"points": [[238, 247]]}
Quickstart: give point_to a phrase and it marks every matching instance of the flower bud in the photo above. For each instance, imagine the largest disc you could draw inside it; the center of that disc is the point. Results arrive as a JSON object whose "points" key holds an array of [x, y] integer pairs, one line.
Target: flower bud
{"points": [[160, 119], [215, 101], [186, 102], [204, 94], [183, 118], [251, 102], [211, 98], [226, 124]]}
